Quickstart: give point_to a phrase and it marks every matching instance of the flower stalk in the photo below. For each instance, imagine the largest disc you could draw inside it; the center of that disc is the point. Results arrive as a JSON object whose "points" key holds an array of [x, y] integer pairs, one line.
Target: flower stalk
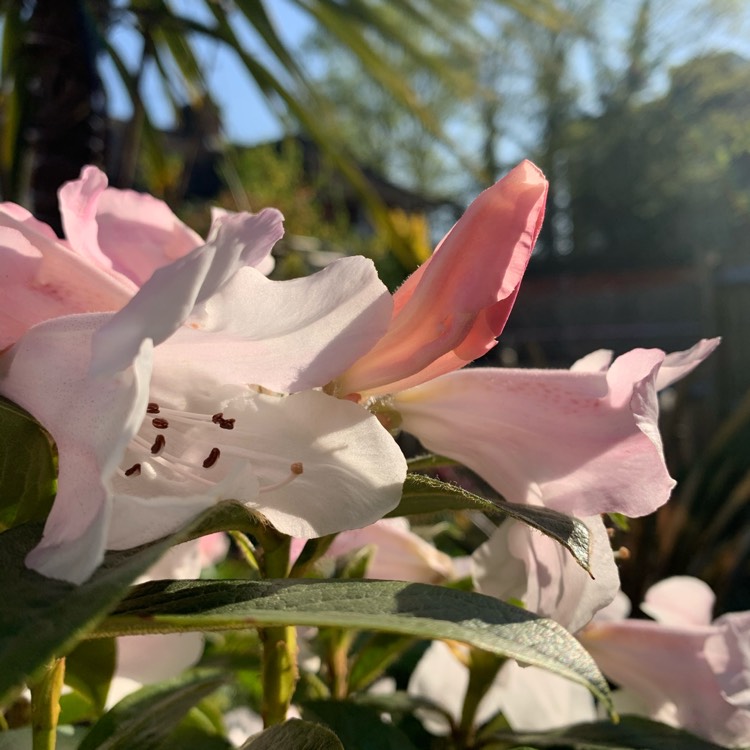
{"points": [[45, 705], [279, 658]]}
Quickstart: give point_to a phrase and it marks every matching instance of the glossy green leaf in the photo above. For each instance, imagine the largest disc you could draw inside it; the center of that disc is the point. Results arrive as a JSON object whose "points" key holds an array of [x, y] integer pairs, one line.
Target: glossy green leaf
{"points": [[43, 617], [632, 733], [28, 471], [295, 735], [424, 494], [358, 727], [145, 718], [418, 609]]}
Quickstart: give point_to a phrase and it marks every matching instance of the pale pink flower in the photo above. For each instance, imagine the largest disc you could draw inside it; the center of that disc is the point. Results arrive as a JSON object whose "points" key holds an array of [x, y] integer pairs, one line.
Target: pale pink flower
{"points": [[584, 454], [531, 699], [114, 241], [452, 308], [191, 344], [683, 669], [398, 554]]}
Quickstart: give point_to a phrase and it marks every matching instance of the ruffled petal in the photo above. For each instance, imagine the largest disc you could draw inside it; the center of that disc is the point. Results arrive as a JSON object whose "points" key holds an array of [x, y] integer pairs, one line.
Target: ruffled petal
{"points": [[40, 278], [78, 201], [353, 471], [668, 669], [139, 233], [678, 364], [520, 563], [286, 335], [168, 298], [454, 306], [264, 264], [581, 443], [91, 421]]}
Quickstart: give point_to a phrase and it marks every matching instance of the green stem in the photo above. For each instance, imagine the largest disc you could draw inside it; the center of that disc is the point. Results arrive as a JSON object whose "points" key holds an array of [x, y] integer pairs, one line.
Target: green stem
{"points": [[45, 706], [483, 668], [279, 657]]}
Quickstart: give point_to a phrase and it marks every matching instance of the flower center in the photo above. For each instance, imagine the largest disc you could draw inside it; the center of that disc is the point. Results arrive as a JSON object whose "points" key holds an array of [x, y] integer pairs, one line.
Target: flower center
{"points": [[178, 446]]}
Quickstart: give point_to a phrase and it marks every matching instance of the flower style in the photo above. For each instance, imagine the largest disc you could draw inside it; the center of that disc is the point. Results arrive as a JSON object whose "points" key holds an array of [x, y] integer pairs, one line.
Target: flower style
{"points": [[683, 669], [115, 240], [155, 415]]}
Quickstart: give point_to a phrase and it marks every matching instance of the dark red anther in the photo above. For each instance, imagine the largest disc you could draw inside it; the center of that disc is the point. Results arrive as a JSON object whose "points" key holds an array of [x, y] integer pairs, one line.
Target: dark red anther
{"points": [[160, 423], [133, 471], [212, 458], [227, 424], [152, 408], [217, 418], [159, 443]]}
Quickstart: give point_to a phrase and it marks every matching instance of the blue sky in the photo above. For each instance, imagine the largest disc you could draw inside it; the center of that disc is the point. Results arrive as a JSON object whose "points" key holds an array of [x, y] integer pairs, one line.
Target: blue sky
{"points": [[247, 116]]}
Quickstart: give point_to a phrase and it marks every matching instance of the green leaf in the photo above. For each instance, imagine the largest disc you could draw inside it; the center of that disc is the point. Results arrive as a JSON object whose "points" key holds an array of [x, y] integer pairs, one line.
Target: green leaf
{"points": [[295, 735], [374, 657], [632, 733], [418, 609], [146, 717], [28, 471], [89, 668], [358, 727], [423, 494], [195, 732], [43, 617], [21, 739]]}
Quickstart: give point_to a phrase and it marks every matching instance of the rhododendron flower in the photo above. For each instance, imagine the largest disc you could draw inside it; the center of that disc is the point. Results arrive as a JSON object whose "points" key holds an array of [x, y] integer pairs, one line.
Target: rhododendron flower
{"points": [[114, 241], [684, 669], [155, 417], [145, 659], [530, 698], [518, 563], [609, 444]]}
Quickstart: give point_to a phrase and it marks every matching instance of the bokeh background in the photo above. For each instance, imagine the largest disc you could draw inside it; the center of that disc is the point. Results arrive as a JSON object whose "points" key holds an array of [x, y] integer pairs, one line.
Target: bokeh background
{"points": [[372, 124]]}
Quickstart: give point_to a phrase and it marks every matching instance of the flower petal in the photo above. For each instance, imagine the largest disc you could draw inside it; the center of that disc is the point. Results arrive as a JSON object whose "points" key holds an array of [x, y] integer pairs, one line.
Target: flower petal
{"points": [[678, 364], [400, 554], [286, 335], [452, 308], [91, 421], [349, 472], [168, 298], [40, 279], [669, 669], [680, 600], [581, 443], [519, 563], [353, 470], [139, 233], [536, 700]]}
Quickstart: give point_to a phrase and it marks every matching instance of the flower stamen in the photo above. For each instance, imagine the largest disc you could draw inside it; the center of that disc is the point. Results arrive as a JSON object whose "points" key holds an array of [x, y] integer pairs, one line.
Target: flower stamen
{"points": [[212, 458], [158, 445]]}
